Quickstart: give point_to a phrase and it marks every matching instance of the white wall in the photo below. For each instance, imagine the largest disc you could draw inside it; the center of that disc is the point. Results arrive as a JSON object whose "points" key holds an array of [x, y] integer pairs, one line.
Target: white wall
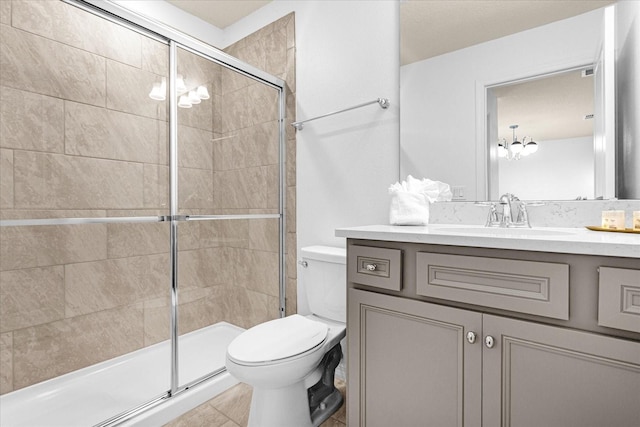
{"points": [[348, 53], [559, 170], [438, 95], [628, 102]]}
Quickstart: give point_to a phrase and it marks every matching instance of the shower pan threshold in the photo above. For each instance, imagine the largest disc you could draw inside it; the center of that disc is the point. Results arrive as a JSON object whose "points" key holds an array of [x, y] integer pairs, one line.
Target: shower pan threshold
{"points": [[91, 395]]}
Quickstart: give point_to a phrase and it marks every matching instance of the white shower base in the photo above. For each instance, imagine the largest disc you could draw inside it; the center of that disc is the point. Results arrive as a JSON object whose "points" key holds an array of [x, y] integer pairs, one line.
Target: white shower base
{"points": [[93, 394]]}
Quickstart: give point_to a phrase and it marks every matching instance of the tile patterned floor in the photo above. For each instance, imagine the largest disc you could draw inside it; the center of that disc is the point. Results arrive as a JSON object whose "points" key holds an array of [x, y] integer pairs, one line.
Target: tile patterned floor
{"points": [[231, 409]]}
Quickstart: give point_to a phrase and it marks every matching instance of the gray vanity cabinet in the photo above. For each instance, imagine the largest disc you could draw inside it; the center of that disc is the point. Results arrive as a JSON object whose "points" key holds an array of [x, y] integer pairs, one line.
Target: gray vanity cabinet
{"points": [[538, 375], [411, 363], [416, 359]]}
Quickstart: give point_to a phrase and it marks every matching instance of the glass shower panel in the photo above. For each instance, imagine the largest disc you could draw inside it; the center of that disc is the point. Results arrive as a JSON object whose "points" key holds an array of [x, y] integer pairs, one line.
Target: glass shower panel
{"points": [[79, 130], [228, 180], [84, 180], [228, 145], [228, 281], [85, 296]]}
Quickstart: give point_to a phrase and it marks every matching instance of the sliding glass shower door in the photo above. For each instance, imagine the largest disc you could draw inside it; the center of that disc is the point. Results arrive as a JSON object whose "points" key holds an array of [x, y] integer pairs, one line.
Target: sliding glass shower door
{"points": [[84, 250], [228, 190], [141, 206]]}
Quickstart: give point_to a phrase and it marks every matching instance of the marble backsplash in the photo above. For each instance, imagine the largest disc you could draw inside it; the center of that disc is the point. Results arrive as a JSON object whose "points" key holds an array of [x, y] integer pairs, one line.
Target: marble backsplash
{"points": [[573, 213]]}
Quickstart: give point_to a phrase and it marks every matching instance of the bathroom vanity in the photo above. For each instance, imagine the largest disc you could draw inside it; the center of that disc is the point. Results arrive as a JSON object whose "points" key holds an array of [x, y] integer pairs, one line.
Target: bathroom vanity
{"points": [[468, 326]]}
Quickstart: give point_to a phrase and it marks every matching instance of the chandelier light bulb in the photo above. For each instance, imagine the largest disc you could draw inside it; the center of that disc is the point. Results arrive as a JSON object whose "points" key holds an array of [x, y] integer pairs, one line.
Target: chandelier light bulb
{"points": [[502, 152], [181, 87], [531, 147], [157, 92], [193, 97], [202, 92], [184, 102], [516, 147]]}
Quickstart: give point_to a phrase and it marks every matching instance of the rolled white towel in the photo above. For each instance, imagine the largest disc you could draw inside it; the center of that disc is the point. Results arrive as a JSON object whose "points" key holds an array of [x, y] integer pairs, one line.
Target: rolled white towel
{"points": [[410, 200], [408, 208]]}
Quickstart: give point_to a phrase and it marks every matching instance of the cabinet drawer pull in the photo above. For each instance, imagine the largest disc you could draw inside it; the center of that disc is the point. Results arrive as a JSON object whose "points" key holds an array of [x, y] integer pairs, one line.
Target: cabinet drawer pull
{"points": [[372, 267], [471, 337], [489, 341]]}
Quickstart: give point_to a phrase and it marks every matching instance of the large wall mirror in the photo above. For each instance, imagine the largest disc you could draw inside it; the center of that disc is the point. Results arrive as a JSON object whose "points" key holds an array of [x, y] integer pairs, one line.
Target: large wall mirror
{"points": [[543, 71]]}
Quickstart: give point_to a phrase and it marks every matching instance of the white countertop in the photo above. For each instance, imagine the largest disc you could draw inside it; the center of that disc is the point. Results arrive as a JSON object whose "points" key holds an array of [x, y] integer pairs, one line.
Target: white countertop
{"points": [[541, 239]]}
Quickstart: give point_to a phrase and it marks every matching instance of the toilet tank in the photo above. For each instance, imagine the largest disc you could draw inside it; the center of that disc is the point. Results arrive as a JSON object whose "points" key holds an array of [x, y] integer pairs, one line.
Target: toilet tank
{"points": [[324, 277]]}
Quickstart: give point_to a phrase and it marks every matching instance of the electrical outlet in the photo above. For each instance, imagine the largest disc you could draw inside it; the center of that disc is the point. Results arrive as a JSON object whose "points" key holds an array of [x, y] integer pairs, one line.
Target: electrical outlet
{"points": [[458, 192]]}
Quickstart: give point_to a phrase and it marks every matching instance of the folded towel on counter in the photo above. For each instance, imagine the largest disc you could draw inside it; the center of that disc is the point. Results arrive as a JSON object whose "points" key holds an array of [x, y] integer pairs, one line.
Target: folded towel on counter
{"points": [[410, 200]]}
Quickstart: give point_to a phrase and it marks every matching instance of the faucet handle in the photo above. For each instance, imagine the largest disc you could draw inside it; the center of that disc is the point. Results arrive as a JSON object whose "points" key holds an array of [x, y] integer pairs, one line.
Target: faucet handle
{"points": [[493, 219], [522, 216]]}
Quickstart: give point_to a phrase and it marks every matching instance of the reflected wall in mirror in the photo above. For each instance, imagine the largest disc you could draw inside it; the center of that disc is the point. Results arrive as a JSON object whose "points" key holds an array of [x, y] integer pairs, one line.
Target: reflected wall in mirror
{"points": [[542, 135], [443, 122]]}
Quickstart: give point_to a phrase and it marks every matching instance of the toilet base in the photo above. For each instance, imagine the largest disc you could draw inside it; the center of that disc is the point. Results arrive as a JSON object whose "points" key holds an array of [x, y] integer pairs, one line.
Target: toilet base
{"points": [[296, 405], [281, 407], [324, 398]]}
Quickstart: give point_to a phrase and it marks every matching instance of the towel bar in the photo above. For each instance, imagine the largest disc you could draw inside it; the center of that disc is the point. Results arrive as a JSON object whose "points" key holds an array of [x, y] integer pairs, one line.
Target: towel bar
{"points": [[383, 102]]}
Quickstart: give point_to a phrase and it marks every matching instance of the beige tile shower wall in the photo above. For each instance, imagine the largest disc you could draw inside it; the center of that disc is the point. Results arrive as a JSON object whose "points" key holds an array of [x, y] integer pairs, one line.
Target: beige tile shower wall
{"points": [[78, 127], [71, 73], [31, 121], [79, 137], [88, 32], [245, 166]]}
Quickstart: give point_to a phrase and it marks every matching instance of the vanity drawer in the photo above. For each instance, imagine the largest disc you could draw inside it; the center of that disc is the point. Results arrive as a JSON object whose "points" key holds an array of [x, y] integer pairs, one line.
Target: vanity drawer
{"points": [[377, 267], [539, 288], [619, 298]]}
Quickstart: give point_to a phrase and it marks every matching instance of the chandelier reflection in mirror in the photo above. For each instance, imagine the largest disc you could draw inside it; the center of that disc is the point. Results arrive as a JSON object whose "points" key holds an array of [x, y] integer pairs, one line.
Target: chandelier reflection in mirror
{"points": [[186, 97], [515, 149]]}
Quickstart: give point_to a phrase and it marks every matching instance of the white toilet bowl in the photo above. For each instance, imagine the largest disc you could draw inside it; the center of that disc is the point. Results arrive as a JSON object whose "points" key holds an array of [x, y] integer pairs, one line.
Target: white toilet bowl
{"points": [[282, 359]]}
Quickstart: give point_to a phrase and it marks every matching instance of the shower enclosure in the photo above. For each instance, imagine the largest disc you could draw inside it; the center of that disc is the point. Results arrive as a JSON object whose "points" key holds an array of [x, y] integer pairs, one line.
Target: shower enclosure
{"points": [[141, 200]]}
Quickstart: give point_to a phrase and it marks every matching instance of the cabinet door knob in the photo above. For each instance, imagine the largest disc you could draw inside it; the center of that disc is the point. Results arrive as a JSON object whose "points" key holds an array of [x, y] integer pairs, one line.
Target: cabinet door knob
{"points": [[372, 267], [489, 341], [471, 337]]}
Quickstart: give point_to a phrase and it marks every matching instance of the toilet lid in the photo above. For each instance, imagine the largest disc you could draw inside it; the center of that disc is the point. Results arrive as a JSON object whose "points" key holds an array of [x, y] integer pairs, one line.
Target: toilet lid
{"points": [[277, 339]]}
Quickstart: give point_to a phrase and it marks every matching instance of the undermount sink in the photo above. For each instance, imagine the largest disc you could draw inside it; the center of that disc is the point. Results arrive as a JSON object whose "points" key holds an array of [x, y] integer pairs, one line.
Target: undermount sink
{"points": [[492, 231]]}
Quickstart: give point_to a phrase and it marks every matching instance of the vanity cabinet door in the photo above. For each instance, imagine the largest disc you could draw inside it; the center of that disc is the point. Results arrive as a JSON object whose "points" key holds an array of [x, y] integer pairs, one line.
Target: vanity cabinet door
{"points": [[411, 363], [537, 375]]}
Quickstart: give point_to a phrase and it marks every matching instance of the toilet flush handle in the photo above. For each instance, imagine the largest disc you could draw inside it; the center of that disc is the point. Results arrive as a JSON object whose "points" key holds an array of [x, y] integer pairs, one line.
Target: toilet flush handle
{"points": [[304, 264]]}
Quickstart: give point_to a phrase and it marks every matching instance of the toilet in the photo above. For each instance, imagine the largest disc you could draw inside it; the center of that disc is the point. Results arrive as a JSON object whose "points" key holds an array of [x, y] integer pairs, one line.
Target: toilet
{"points": [[291, 362]]}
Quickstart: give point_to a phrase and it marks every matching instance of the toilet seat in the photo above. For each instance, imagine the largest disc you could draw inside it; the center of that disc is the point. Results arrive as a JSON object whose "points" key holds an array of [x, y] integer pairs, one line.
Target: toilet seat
{"points": [[277, 339]]}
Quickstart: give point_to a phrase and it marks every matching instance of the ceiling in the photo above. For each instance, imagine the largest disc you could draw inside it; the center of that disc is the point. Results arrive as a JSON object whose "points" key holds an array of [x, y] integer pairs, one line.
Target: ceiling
{"points": [[220, 13], [551, 108], [429, 27], [455, 24]]}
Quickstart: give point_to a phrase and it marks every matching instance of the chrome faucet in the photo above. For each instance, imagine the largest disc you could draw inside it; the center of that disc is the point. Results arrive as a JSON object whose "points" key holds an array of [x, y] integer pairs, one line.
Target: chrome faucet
{"points": [[514, 213]]}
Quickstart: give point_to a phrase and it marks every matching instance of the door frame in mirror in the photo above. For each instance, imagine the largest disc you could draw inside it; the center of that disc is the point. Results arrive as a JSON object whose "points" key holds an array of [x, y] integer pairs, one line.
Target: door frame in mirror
{"points": [[486, 151]]}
